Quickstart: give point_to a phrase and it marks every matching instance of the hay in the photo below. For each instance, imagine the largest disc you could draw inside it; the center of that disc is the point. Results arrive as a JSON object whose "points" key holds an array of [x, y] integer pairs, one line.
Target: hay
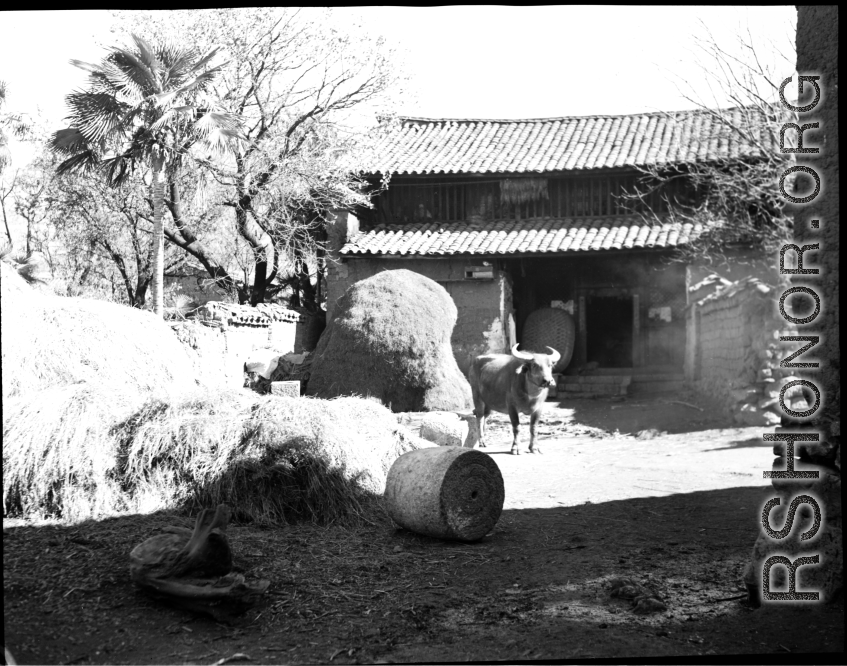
{"points": [[54, 341], [390, 339], [84, 451], [274, 460], [445, 492], [58, 454]]}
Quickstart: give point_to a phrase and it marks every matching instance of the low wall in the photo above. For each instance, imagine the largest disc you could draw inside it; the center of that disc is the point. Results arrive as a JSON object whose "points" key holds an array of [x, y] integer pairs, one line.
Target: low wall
{"points": [[736, 351], [223, 336]]}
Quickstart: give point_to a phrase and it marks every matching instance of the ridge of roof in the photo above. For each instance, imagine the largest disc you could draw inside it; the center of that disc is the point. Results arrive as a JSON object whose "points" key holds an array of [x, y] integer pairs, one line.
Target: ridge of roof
{"points": [[664, 114]]}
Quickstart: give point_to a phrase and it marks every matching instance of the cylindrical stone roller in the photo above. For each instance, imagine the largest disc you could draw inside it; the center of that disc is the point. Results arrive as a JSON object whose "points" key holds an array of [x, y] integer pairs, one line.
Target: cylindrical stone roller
{"points": [[446, 492]]}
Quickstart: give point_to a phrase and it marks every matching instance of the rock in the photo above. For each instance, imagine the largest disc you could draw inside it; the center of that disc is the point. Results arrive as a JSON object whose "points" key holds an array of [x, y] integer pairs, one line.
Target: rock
{"points": [[262, 361], [296, 359], [472, 438], [444, 429], [765, 373], [743, 394], [290, 389], [768, 401], [750, 415], [771, 418]]}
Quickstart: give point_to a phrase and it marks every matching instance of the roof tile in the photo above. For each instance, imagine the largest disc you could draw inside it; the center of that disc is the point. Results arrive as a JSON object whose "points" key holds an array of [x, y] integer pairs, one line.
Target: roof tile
{"points": [[426, 146], [555, 235]]}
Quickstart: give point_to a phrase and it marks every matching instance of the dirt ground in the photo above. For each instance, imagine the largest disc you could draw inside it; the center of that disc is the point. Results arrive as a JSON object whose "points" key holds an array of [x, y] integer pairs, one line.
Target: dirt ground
{"points": [[675, 513]]}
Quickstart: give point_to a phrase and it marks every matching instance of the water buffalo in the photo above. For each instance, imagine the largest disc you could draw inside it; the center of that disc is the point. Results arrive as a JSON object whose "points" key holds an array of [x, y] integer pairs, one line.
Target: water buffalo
{"points": [[512, 384]]}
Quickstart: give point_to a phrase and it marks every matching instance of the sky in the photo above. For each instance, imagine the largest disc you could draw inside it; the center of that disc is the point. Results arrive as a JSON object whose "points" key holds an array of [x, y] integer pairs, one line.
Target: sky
{"points": [[462, 61]]}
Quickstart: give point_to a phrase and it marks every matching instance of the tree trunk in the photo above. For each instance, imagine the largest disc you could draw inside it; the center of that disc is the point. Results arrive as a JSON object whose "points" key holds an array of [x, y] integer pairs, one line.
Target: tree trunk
{"points": [[158, 282], [261, 245]]}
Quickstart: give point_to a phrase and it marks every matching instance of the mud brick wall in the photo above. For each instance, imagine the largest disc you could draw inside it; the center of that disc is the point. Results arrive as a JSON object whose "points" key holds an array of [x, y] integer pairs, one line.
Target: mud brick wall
{"points": [[738, 352]]}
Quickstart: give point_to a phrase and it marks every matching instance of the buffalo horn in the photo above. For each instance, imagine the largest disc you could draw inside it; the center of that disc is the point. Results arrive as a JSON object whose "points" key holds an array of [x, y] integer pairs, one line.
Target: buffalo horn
{"points": [[554, 356], [526, 356]]}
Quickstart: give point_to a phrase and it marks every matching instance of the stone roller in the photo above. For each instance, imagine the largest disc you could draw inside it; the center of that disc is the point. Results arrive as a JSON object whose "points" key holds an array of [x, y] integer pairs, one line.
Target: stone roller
{"points": [[445, 492]]}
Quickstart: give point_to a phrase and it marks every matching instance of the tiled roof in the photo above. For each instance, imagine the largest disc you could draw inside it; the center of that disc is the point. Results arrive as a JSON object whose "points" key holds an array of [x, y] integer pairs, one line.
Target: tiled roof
{"points": [[520, 236], [431, 146], [261, 315]]}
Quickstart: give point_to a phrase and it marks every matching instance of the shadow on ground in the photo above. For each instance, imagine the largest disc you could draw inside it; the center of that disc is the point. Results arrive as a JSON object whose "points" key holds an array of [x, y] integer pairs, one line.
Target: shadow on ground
{"points": [[537, 587]]}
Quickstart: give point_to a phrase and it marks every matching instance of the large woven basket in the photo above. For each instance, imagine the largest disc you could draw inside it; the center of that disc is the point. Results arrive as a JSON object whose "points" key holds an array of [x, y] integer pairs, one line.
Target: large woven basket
{"points": [[550, 327]]}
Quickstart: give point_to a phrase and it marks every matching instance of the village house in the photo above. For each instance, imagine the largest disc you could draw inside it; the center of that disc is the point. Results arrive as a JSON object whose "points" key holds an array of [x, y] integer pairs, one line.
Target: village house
{"points": [[511, 216]]}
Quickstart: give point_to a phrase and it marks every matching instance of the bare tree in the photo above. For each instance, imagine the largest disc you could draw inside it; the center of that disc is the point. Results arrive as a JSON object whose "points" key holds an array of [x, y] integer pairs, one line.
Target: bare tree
{"points": [[293, 78], [736, 199]]}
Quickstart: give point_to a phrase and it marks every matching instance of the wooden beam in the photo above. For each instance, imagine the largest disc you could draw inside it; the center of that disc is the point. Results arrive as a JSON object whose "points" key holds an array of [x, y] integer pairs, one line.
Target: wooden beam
{"points": [[637, 356]]}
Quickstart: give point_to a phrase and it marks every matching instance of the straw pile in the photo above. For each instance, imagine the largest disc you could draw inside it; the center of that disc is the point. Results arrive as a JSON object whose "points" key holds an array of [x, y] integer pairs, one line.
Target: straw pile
{"points": [[390, 339], [273, 459], [53, 341]]}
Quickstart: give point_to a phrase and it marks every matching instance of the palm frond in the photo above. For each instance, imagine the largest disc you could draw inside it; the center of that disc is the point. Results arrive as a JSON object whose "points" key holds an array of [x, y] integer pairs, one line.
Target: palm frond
{"points": [[198, 82], [68, 141], [177, 62], [96, 115], [171, 115], [222, 141], [118, 169], [212, 120], [147, 55], [82, 162], [134, 68], [87, 66], [205, 59]]}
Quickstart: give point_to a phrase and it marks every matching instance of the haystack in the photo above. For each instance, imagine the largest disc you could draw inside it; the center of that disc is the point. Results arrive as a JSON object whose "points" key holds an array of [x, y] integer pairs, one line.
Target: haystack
{"points": [[56, 341], [273, 459], [83, 451], [390, 339], [59, 457]]}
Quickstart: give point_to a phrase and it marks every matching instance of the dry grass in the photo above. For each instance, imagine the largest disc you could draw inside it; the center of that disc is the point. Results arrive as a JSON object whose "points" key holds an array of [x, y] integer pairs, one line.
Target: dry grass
{"points": [[390, 338], [83, 451], [52, 341], [58, 454], [274, 460]]}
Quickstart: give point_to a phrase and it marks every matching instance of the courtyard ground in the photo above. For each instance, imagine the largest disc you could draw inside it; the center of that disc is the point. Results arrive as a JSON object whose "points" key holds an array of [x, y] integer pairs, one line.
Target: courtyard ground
{"points": [[651, 490]]}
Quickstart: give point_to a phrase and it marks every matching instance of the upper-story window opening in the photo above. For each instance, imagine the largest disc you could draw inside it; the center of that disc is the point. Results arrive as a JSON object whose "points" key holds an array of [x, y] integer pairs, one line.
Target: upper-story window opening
{"points": [[479, 200]]}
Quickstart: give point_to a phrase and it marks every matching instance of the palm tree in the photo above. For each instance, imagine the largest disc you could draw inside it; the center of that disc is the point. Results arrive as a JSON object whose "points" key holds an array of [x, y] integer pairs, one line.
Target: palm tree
{"points": [[142, 106]]}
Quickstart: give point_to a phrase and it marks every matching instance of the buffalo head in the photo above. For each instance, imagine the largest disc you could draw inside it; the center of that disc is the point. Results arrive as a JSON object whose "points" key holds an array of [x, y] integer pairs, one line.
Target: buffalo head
{"points": [[539, 367]]}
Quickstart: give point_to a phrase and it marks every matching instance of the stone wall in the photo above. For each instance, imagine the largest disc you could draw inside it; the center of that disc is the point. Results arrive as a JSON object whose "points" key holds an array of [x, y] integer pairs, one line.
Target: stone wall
{"points": [[736, 351]]}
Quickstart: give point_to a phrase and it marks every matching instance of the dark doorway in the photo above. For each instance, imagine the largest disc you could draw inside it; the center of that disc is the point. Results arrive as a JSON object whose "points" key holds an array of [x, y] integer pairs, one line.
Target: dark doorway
{"points": [[609, 331]]}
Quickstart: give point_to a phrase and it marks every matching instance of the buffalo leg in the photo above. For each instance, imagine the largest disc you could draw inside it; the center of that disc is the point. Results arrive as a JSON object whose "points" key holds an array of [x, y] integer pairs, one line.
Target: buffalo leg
{"points": [[533, 421], [515, 418], [481, 418]]}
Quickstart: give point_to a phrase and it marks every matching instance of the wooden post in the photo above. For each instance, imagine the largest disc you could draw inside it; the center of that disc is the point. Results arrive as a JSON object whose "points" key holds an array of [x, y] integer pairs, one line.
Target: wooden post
{"points": [[637, 358], [582, 337]]}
